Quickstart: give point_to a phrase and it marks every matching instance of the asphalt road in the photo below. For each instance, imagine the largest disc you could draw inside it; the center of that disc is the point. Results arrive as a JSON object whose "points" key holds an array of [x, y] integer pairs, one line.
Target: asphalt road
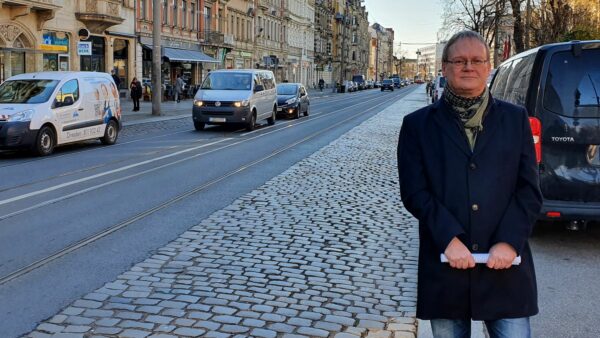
{"points": [[568, 275], [77, 219]]}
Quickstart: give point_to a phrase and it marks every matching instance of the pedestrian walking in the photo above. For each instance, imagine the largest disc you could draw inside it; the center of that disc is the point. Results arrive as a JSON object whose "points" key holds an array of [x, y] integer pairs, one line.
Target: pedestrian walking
{"points": [[468, 173], [321, 84], [179, 84], [136, 93], [115, 78]]}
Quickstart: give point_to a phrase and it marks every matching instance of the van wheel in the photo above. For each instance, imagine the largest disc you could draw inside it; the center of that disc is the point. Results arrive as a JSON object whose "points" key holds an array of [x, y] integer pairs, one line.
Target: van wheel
{"points": [[271, 120], [45, 141], [199, 125], [252, 123], [110, 133], [307, 111]]}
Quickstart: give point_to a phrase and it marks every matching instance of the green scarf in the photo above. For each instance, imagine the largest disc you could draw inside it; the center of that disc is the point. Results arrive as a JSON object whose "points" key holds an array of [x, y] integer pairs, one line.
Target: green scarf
{"points": [[469, 111]]}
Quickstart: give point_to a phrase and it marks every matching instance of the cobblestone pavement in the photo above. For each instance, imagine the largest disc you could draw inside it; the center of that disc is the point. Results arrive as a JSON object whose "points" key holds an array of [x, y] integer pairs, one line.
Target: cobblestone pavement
{"points": [[323, 250]]}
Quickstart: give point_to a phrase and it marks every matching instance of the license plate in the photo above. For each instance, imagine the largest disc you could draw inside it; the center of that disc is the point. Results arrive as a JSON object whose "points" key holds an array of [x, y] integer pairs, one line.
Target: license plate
{"points": [[279, 109], [217, 119]]}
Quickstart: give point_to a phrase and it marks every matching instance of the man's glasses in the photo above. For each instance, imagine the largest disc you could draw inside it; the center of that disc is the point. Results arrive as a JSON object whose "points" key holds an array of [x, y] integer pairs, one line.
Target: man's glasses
{"points": [[464, 63]]}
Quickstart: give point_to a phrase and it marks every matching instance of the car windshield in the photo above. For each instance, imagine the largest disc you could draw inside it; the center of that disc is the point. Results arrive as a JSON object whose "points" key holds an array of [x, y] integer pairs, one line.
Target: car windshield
{"points": [[27, 91], [387, 81], [286, 89], [228, 81]]}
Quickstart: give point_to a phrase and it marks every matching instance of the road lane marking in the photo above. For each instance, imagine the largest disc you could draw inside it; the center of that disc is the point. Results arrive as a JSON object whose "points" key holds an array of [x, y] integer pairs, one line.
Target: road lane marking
{"points": [[56, 187]]}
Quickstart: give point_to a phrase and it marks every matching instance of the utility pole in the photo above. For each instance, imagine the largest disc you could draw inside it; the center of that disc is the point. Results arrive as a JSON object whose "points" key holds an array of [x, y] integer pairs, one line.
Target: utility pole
{"points": [[156, 58]]}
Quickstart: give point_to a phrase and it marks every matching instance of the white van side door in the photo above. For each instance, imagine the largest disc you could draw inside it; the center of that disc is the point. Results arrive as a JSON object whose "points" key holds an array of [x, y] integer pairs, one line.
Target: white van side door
{"points": [[68, 111]]}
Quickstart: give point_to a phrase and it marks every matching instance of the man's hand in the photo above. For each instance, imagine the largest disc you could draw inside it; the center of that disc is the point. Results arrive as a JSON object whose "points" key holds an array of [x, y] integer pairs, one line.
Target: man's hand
{"points": [[501, 256], [458, 255]]}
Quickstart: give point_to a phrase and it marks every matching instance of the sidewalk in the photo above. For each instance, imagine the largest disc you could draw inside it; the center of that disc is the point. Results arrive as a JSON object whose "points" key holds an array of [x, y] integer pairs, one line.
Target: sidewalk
{"points": [[173, 110], [325, 249]]}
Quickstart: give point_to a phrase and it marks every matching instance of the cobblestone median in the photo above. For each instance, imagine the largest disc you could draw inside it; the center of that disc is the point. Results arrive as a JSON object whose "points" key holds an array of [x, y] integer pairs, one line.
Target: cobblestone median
{"points": [[323, 250]]}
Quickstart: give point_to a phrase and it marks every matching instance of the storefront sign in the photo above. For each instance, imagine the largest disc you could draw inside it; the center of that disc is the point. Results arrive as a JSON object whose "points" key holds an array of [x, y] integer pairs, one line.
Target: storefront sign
{"points": [[84, 48], [246, 54], [55, 42]]}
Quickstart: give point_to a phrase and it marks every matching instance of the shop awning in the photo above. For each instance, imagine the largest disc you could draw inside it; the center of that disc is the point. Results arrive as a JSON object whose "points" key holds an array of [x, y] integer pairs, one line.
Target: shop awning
{"points": [[174, 54]]}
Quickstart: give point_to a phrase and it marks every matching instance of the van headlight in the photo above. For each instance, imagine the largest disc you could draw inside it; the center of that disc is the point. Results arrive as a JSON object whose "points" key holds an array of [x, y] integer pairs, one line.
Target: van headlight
{"points": [[239, 104], [21, 116], [290, 101], [198, 103]]}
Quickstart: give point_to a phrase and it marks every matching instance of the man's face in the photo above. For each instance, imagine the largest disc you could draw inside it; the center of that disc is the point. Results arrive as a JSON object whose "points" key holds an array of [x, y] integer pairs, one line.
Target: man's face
{"points": [[467, 80]]}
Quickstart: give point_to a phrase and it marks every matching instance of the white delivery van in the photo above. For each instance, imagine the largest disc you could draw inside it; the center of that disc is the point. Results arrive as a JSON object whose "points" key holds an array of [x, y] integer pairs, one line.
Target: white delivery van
{"points": [[39, 111], [236, 96]]}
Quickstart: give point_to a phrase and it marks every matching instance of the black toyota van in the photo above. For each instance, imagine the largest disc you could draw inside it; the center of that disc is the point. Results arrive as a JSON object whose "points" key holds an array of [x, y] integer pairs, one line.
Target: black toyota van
{"points": [[559, 84]]}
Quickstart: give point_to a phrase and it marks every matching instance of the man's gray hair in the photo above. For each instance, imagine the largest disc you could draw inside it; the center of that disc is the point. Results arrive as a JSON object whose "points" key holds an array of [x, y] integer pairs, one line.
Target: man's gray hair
{"points": [[464, 35]]}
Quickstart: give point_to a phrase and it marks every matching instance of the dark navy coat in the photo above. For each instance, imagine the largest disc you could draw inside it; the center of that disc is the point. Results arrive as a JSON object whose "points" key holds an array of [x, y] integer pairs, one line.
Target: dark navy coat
{"points": [[485, 196]]}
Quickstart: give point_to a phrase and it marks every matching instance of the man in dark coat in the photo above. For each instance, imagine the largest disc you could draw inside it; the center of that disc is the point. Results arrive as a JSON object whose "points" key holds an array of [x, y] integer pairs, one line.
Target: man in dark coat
{"points": [[468, 173]]}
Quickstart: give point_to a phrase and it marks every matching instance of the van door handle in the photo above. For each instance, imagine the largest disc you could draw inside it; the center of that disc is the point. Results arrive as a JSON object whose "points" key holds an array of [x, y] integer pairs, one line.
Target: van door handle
{"points": [[80, 109]]}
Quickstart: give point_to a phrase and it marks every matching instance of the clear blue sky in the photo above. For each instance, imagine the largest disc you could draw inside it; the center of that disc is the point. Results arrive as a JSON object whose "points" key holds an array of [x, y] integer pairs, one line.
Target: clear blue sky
{"points": [[413, 21]]}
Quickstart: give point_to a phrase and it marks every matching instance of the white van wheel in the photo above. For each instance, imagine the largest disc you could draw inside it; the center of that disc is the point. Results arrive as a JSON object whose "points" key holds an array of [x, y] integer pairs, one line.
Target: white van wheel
{"points": [[110, 133], [271, 120], [252, 123], [45, 141]]}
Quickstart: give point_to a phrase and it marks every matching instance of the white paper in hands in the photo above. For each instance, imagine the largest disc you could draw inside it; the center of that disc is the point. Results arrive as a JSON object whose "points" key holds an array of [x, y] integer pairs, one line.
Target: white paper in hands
{"points": [[481, 258]]}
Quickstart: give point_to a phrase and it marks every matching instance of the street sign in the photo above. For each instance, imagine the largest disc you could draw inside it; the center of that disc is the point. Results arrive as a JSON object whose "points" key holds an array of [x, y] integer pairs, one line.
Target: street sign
{"points": [[84, 48]]}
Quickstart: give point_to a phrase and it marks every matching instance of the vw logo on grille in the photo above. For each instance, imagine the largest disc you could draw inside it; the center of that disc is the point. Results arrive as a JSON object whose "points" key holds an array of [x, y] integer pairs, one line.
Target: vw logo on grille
{"points": [[217, 104]]}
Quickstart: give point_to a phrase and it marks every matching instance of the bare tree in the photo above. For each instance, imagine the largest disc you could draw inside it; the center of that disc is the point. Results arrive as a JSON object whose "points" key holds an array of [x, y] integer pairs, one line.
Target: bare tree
{"points": [[518, 27], [482, 16]]}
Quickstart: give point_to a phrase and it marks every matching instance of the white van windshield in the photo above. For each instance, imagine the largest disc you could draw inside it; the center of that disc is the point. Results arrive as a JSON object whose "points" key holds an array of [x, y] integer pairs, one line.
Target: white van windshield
{"points": [[228, 81], [27, 91]]}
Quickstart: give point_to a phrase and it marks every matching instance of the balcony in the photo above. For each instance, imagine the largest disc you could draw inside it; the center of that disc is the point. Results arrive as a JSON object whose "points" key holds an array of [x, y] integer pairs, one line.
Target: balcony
{"points": [[45, 9], [228, 39], [98, 15], [212, 37]]}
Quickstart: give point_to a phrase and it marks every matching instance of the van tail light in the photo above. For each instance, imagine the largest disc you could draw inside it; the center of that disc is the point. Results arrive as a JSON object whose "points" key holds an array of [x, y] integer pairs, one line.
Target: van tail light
{"points": [[536, 130], [553, 214]]}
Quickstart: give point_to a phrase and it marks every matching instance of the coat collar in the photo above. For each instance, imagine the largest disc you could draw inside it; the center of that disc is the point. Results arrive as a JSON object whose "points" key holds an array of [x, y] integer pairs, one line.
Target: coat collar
{"points": [[451, 127]]}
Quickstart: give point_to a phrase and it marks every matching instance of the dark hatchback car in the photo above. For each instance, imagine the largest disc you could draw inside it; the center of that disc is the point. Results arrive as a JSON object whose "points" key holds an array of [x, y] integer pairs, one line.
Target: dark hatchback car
{"points": [[559, 84], [387, 84], [292, 100]]}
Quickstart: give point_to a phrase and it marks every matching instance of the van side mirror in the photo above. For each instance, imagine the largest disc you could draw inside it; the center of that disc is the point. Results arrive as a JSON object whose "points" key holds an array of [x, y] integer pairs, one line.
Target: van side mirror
{"points": [[259, 88]]}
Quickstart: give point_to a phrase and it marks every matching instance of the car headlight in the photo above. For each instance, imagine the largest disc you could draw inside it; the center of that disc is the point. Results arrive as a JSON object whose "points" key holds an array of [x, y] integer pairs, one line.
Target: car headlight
{"points": [[21, 116], [198, 103], [290, 101], [244, 103]]}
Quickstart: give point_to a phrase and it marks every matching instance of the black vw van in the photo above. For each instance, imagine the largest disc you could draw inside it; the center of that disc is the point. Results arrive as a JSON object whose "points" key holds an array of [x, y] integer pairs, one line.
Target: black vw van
{"points": [[559, 84]]}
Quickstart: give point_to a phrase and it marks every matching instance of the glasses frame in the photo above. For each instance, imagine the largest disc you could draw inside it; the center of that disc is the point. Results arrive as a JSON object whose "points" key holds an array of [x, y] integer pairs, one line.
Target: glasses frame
{"points": [[464, 63]]}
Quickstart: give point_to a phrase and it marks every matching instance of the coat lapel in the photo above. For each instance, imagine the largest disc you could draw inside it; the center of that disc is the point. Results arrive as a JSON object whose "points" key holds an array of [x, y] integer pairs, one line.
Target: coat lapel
{"points": [[490, 125], [442, 117]]}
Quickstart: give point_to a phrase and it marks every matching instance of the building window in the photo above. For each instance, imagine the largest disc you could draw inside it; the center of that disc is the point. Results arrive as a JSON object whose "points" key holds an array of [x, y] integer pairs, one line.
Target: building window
{"points": [[207, 23], [143, 9], [194, 16], [165, 12], [175, 13], [184, 13]]}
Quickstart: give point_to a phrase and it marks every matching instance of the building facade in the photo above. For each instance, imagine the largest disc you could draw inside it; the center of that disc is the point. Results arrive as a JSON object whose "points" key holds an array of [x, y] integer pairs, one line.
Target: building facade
{"points": [[300, 41], [381, 58], [52, 35], [240, 34], [324, 41]]}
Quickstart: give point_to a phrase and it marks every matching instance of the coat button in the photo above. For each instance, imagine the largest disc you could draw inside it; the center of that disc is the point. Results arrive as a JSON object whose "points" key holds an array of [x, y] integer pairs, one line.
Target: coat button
{"points": [[475, 247], [475, 207], [473, 166]]}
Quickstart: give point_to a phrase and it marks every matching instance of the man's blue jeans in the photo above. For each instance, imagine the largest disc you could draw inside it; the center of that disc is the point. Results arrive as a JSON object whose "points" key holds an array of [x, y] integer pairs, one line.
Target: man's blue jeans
{"points": [[502, 328]]}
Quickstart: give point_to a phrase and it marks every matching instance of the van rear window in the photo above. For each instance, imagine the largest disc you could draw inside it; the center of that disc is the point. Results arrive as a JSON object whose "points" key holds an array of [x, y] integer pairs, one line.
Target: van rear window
{"points": [[27, 91], [573, 84]]}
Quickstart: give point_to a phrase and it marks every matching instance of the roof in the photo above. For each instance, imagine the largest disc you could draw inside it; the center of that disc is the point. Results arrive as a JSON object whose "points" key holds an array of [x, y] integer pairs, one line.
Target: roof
{"points": [[55, 75]]}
